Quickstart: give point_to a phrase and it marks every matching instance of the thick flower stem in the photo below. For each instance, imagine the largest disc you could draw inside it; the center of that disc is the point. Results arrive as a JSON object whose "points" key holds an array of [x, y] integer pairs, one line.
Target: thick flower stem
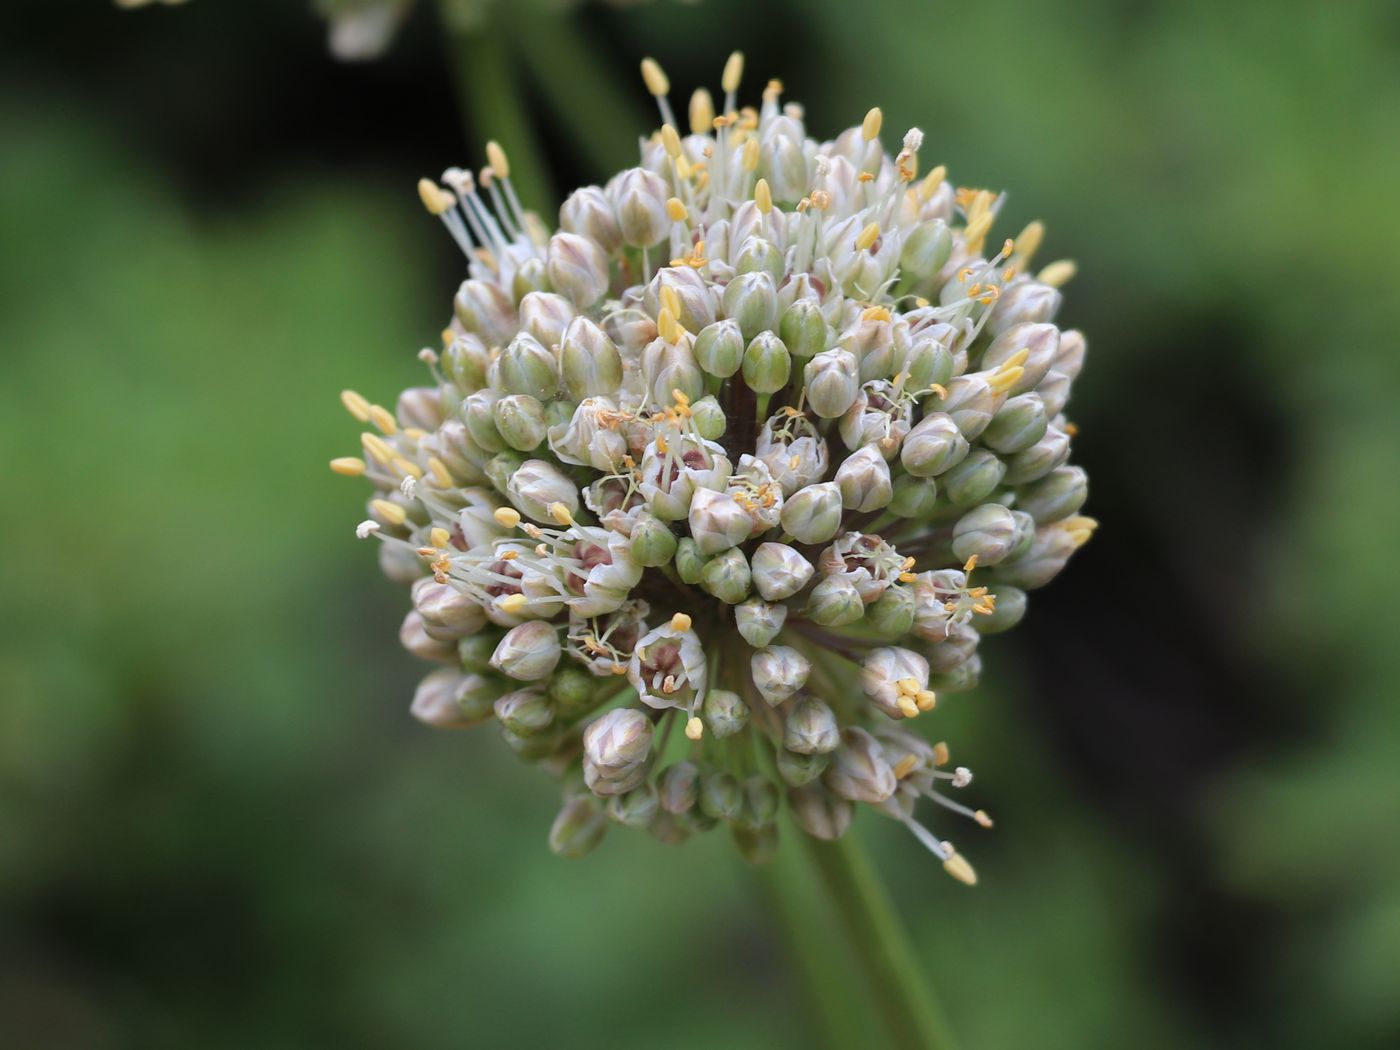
{"points": [[903, 994]]}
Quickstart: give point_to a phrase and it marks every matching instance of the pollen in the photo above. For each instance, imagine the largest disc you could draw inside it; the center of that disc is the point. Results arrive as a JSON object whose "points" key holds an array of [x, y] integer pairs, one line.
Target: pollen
{"points": [[355, 404], [348, 466], [507, 517], [390, 512], [680, 623]]}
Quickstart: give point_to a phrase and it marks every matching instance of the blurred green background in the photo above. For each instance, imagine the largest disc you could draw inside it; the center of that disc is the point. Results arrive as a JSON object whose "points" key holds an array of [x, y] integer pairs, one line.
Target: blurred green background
{"points": [[220, 828]]}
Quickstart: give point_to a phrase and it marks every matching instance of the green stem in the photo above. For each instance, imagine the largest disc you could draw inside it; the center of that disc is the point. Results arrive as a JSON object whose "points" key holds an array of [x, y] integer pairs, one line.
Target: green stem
{"points": [[904, 995]]}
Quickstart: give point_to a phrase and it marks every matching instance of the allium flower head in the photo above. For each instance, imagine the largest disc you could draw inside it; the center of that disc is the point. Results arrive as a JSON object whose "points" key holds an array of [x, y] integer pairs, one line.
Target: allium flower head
{"points": [[714, 488]]}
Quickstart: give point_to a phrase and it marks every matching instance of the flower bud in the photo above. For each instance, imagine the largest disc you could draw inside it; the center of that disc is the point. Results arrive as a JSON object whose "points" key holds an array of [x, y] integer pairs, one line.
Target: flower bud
{"points": [[577, 268], [813, 514], [589, 212], [448, 699], [578, 828], [810, 728], [1057, 495], [525, 367], [721, 796], [528, 652], [832, 380], [1069, 357], [927, 362], [636, 808], [864, 480], [758, 255], [803, 330], [835, 602], [464, 362], [589, 436], [987, 532], [545, 316], [484, 309], [679, 787], [955, 650], [892, 614], [589, 361], [934, 446], [708, 418], [479, 417], [1018, 424], [974, 479], [537, 486], [717, 522], [639, 197], [820, 813], [447, 613], [414, 638], [525, 712], [1049, 551], [573, 688], [520, 420], [759, 622], [1041, 343], [779, 571], [896, 681], [530, 276], [1040, 459], [858, 770], [1054, 391], [667, 367], [727, 577], [719, 348], [615, 751], [757, 844], [724, 713], [688, 290], [913, 497], [474, 653], [797, 770], [501, 467], [1023, 302], [1009, 610], [653, 542], [779, 672], [751, 301], [926, 249], [690, 563]]}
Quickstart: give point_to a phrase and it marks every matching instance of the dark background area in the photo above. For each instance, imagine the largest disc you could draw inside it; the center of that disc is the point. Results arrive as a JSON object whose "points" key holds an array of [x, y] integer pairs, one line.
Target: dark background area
{"points": [[219, 826]]}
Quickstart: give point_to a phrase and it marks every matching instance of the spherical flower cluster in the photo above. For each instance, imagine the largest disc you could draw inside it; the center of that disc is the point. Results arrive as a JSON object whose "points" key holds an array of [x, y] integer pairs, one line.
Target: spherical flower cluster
{"points": [[716, 487]]}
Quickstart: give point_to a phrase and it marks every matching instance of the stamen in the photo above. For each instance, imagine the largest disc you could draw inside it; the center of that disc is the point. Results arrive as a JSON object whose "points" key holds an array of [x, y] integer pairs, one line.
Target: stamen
{"points": [[1058, 273], [356, 404], [694, 729], [348, 466]]}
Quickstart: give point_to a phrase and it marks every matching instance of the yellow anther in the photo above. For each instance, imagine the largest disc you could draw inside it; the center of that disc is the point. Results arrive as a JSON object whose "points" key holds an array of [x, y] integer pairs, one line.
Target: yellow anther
{"points": [[448, 337], [926, 699], [355, 404], [908, 577], [512, 603], [442, 477], [440, 537], [655, 77], [976, 231], [694, 729], [870, 126], [681, 398], [416, 433], [1058, 273], [930, 183], [561, 514], [733, 72], [382, 418], [905, 766], [907, 707], [1005, 377], [981, 817], [970, 564], [496, 157], [618, 669], [702, 112], [348, 466], [763, 196], [509, 555], [676, 211], [680, 623], [436, 199], [772, 90], [661, 444], [390, 512], [940, 754], [684, 169], [879, 313], [750, 155], [668, 327], [507, 517], [1017, 359], [908, 686], [377, 447], [671, 140], [868, 237], [958, 867], [407, 467], [670, 300]]}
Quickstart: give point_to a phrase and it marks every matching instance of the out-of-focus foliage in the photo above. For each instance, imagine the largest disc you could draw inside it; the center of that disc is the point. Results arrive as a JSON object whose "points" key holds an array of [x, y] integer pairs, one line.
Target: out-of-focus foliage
{"points": [[219, 824]]}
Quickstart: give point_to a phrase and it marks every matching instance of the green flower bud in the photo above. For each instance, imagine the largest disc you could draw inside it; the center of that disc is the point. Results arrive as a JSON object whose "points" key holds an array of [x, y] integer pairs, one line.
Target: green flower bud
{"points": [[1018, 424], [1057, 495], [767, 364], [636, 808], [803, 330], [520, 420], [811, 728], [465, 362], [501, 467], [928, 362], [448, 699], [577, 268], [484, 309], [758, 255], [530, 276], [679, 787], [953, 651], [835, 602], [727, 577], [960, 679], [750, 299], [589, 361], [475, 653], [926, 250], [1009, 610], [717, 522], [1025, 534], [578, 828], [779, 672], [832, 379], [479, 416], [1040, 459], [757, 845], [914, 497], [779, 571], [525, 712], [892, 614], [528, 652], [761, 802], [820, 813], [974, 479], [545, 316], [813, 514], [573, 688], [864, 480], [724, 713], [988, 532], [536, 747], [858, 770], [719, 348], [639, 197], [1047, 554], [525, 367], [708, 418], [933, 447], [759, 622], [721, 797], [653, 542], [537, 486], [797, 770], [670, 830], [690, 563]]}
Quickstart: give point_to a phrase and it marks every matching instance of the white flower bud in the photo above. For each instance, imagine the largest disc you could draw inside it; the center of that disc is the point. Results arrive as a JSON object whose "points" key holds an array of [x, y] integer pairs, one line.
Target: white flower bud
{"points": [[615, 751], [717, 522], [858, 770], [813, 514], [864, 480], [934, 446], [820, 813], [759, 622], [1023, 302], [779, 672], [833, 381], [449, 699], [537, 487], [447, 613], [485, 309], [811, 728], [1041, 343], [577, 268], [545, 316], [639, 197], [588, 212], [525, 367], [779, 571]]}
